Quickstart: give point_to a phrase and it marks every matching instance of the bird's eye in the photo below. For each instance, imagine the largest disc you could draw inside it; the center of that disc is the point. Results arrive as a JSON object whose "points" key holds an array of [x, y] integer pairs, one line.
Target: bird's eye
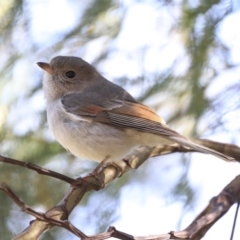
{"points": [[70, 74]]}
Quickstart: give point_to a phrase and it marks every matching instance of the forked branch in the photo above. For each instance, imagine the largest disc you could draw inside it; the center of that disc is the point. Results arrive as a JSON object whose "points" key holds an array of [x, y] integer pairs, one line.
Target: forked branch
{"points": [[105, 173]]}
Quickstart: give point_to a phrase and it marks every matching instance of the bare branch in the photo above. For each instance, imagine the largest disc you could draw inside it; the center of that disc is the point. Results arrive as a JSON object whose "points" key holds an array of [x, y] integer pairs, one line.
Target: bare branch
{"points": [[102, 175], [217, 207], [36, 168], [225, 148]]}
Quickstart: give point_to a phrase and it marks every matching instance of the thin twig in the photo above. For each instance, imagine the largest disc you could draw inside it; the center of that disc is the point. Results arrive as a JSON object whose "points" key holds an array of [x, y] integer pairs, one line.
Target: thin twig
{"points": [[101, 176], [217, 207], [36, 168], [234, 222], [41, 216]]}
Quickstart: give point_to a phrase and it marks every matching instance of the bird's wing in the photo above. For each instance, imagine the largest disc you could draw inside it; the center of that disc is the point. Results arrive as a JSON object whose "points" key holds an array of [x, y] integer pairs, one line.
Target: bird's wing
{"points": [[120, 112]]}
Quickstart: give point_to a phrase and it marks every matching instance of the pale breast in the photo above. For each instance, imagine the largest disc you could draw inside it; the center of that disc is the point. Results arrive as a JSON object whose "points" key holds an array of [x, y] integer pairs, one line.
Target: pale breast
{"points": [[86, 139], [95, 141]]}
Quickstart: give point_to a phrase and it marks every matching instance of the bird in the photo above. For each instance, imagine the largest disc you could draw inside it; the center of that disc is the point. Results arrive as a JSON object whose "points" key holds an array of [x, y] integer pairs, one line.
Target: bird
{"points": [[93, 117]]}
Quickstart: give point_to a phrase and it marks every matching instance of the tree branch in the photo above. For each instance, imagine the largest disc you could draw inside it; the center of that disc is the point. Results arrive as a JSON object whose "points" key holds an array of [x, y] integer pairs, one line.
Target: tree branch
{"points": [[216, 208], [36, 168], [105, 173]]}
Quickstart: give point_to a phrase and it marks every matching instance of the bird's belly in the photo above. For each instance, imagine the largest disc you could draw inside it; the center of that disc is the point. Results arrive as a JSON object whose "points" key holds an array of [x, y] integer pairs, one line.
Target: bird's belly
{"points": [[94, 141]]}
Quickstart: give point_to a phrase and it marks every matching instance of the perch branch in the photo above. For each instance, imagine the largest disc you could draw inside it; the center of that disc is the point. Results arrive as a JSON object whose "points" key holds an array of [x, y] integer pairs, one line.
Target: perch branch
{"points": [[102, 175], [216, 208], [36, 168]]}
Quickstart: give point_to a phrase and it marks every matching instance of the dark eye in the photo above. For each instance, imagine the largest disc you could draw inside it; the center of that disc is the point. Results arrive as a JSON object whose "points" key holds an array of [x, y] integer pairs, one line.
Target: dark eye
{"points": [[70, 74]]}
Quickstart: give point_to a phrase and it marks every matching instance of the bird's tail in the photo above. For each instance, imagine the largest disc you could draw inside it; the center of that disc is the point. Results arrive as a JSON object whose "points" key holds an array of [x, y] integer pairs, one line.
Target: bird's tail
{"points": [[199, 148]]}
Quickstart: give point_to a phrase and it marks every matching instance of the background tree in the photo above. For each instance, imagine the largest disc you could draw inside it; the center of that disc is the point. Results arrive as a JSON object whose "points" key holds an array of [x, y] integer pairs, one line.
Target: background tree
{"points": [[180, 57]]}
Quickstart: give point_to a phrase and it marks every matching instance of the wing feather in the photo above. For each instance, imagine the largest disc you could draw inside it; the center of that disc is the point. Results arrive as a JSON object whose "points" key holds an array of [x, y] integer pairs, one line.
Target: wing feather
{"points": [[163, 130], [127, 114]]}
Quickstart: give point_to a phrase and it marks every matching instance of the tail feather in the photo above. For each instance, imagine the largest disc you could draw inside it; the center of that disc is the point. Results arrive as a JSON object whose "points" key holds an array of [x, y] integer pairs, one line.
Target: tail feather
{"points": [[188, 143]]}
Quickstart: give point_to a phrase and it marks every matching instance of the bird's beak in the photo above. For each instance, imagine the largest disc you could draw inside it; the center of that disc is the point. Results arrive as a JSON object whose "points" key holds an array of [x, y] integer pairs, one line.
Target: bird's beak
{"points": [[46, 67]]}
